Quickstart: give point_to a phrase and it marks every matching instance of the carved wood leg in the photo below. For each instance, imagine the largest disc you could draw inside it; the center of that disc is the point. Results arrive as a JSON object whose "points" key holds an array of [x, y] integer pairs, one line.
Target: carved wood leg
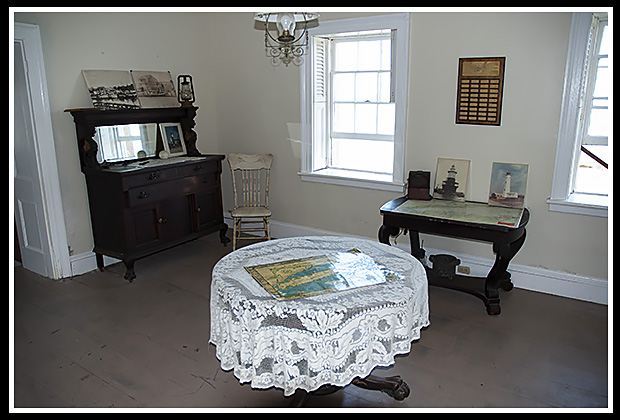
{"points": [[498, 276], [385, 232], [130, 274], [394, 386], [223, 238]]}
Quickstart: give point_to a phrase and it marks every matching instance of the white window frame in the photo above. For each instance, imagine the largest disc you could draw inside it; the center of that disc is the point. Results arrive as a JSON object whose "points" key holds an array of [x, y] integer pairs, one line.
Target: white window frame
{"points": [[563, 199], [400, 68]]}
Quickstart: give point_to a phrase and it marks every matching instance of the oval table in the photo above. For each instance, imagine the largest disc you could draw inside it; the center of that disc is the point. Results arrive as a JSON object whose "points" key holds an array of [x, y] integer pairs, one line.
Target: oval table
{"points": [[320, 341]]}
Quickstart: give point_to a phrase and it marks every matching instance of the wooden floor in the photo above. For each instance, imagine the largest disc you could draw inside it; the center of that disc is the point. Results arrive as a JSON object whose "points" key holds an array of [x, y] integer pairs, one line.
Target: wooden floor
{"points": [[98, 341]]}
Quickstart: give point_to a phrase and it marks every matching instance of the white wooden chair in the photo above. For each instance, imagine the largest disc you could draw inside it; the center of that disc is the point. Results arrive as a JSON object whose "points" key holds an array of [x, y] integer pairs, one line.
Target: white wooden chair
{"points": [[250, 176]]}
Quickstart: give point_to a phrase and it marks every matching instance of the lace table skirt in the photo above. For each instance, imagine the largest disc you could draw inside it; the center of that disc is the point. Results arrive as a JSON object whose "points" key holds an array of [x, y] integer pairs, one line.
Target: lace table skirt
{"points": [[323, 339]]}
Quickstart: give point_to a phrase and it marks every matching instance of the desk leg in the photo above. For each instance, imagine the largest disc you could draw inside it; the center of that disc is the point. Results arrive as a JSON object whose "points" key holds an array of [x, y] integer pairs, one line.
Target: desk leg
{"points": [[385, 232], [498, 276]]}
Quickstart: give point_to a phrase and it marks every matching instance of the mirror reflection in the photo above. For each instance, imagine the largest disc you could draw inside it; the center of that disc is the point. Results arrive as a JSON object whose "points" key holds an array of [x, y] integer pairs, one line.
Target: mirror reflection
{"points": [[126, 142]]}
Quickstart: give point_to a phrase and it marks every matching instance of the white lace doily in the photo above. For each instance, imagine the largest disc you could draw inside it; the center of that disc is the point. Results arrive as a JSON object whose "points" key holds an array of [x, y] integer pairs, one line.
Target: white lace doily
{"points": [[324, 339]]}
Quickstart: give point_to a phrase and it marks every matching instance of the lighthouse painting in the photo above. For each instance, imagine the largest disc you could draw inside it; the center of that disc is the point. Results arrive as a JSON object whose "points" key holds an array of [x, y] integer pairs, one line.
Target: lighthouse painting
{"points": [[451, 179], [508, 184]]}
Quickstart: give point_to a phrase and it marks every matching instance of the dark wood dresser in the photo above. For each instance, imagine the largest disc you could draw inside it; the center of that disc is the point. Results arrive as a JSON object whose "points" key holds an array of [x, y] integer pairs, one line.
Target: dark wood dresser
{"points": [[142, 206]]}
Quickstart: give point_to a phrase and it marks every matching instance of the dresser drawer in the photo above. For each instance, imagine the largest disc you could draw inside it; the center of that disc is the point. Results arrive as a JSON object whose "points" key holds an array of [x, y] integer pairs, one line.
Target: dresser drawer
{"points": [[149, 194], [199, 168], [154, 176]]}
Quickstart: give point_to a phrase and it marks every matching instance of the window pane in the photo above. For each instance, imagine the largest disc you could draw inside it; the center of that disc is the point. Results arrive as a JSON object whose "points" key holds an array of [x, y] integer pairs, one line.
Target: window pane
{"points": [[602, 86], [386, 54], [366, 88], [366, 118], [346, 56], [370, 55], [344, 118], [384, 87], [592, 177], [605, 42], [599, 122], [344, 87], [386, 119], [363, 155]]}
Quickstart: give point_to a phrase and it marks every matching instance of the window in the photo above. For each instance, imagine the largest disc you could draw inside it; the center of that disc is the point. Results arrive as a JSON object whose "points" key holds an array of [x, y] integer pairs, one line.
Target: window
{"points": [[582, 179], [353, 115]]}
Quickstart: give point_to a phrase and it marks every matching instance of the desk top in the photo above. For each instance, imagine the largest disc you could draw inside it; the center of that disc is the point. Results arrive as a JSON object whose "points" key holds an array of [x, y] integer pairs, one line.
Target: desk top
{"points": [[328, 338], [469, 212]]}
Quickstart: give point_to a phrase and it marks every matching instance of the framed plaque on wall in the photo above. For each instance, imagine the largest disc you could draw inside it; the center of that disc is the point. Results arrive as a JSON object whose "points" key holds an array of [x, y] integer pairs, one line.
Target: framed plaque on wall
{"points": [[480, 90]]}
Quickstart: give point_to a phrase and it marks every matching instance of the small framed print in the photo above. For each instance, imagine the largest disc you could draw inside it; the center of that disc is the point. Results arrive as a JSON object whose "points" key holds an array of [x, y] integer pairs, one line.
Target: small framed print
{"points": [[172, 137], [508, 185]]}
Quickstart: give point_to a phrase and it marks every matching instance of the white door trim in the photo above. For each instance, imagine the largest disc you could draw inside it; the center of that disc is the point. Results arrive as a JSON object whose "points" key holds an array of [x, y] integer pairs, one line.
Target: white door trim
{"points": [[45, 152]]}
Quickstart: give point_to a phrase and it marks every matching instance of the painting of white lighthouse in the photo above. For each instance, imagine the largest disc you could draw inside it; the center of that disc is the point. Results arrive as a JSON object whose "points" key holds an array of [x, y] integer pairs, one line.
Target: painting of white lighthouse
{"points": [[508, 184]]}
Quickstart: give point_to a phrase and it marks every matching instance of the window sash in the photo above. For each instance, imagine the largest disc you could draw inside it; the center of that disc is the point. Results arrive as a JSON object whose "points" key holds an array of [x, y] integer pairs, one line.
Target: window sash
{"points": [[315, 132]]}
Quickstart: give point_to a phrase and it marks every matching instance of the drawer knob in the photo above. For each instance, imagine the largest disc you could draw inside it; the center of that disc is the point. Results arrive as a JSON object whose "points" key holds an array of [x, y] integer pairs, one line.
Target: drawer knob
{"points": [[143, 194], [162, 220], [153, 176]]}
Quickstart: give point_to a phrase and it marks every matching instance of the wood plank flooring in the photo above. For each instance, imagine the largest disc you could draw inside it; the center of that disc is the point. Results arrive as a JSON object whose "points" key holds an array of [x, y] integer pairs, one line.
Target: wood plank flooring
{"points": [[97, 341]]}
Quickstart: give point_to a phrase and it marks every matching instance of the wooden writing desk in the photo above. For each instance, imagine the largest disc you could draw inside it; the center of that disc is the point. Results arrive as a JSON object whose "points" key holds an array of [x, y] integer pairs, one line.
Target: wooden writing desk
{"points": [[469, 220]]}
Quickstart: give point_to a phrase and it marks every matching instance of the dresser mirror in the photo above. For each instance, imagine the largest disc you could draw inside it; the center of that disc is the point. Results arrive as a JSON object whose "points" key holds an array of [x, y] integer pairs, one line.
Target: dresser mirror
{"points": [[119, 143]]}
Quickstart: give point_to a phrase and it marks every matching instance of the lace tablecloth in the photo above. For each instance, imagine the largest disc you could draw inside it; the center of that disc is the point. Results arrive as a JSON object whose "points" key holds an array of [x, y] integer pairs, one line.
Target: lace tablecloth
{"points": [[323, 339]]}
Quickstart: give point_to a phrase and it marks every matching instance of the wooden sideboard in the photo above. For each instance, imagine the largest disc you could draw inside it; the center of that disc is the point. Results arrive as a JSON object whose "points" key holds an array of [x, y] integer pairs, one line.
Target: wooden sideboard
{"points": [[140, 207]]}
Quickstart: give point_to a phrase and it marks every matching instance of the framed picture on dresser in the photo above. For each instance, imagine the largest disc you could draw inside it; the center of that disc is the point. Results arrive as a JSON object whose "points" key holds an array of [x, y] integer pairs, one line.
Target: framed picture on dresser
{"points": [[172, 137]]}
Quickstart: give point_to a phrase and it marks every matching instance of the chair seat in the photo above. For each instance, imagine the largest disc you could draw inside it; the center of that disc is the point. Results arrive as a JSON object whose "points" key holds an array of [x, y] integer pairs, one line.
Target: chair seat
{"points": [[251, 212]]}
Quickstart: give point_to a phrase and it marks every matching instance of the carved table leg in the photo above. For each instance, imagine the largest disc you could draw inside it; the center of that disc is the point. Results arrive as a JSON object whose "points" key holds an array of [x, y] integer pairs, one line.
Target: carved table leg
{"points": [[394, 386], [498, 277], [385, 232]]}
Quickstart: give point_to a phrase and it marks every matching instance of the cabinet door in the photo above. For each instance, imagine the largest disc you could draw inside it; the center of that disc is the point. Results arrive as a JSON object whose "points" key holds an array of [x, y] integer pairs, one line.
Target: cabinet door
{"points": [[145, 227], [175, 218], [207, 205]]}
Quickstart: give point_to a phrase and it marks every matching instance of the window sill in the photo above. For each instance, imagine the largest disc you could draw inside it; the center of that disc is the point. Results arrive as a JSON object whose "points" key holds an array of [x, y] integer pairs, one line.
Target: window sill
{"points": [[585, 204], [353, 179]]}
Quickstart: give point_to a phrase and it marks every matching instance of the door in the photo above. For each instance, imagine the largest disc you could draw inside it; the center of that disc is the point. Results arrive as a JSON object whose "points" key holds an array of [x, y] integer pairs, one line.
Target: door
{"points": [[37, 207], [28, 203]]}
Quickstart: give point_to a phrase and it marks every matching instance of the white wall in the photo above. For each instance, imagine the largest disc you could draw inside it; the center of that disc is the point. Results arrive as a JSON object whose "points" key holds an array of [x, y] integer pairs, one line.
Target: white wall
{"points": [[245, 106]]}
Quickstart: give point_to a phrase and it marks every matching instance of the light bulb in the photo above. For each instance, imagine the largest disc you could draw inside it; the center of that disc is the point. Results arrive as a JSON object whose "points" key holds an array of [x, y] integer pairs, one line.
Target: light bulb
{"points": [[286, 27]]}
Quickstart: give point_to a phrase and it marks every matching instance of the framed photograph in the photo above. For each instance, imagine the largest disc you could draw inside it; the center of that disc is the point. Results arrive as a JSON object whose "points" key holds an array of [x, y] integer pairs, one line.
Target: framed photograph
{"points": [[508, 184], [111, 89], [155, 89], [172, 137], [451, 179]]}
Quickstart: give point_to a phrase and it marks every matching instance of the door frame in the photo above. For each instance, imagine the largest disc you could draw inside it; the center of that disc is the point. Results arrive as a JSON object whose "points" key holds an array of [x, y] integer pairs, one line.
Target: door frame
{"points": [[58, 259]]}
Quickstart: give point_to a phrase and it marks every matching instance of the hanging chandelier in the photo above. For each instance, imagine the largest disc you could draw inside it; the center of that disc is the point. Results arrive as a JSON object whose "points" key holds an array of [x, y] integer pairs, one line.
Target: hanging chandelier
{"points": [[283, 42]]}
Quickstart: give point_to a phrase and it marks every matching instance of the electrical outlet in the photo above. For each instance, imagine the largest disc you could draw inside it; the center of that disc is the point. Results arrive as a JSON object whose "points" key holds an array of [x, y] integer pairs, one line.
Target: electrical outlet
{"points": [[463, 269]]}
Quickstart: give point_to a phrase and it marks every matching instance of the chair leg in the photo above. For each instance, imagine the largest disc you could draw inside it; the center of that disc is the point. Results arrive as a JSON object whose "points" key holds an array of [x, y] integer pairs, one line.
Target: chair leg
{"points": [[267, 228], [235, 229]]}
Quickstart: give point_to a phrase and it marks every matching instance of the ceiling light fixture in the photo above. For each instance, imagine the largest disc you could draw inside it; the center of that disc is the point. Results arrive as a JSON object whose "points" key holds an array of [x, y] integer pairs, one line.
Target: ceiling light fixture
{"points": [[281, 42]]}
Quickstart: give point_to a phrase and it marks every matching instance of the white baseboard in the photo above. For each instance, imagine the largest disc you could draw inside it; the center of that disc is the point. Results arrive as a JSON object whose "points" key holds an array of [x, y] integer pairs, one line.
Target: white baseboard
{"points": [[86, 261], [542, 280]]}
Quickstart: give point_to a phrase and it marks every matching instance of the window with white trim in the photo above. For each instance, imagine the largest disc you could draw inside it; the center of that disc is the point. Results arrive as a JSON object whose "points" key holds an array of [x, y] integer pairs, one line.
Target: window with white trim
{"points": [[582, 178], [354, 94]]}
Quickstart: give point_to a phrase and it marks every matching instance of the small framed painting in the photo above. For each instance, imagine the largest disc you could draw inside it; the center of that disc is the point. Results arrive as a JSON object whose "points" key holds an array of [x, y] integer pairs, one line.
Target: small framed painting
{"points": [[508, 184], [451, 179], [172, 137], [155, 89]]}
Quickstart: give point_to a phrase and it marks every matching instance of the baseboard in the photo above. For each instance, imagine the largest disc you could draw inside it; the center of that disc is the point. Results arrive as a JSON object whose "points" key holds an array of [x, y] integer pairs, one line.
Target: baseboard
{"points": [[558, 283], [86, 261]]}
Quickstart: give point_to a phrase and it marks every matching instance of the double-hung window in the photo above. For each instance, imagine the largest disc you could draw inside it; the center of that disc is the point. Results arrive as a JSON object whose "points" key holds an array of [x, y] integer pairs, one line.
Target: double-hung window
{"points": [[354, 97], [582, 179]]}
